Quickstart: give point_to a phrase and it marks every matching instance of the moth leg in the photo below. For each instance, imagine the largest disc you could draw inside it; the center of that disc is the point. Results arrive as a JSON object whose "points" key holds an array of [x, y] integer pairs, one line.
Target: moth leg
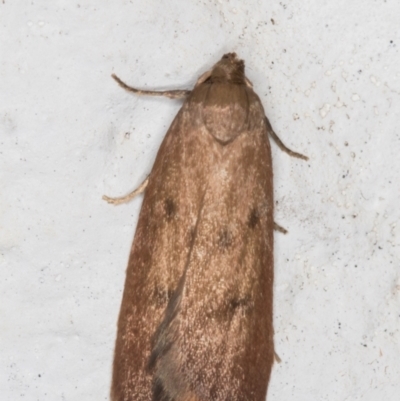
{"points": [[276, 357], [280, 143], [172, 94], [277, 227], [130, 196]]}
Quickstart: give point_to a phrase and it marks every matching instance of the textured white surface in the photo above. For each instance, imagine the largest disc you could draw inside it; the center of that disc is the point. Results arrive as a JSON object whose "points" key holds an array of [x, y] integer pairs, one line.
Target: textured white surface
{"points": [[328, 75]]}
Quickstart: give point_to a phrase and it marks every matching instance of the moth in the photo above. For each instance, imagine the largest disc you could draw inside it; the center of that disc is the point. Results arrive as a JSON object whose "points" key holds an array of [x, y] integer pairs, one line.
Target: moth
{"points": [[196, 319]]}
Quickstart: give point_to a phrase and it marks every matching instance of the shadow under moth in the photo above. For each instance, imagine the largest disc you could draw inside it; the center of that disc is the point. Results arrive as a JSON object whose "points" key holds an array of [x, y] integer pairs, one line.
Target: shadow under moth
{"points": [[196, 320]]}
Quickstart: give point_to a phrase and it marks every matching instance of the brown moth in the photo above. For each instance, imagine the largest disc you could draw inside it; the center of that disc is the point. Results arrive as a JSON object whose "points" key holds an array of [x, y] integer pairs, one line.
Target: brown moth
{"points": [[196, 319]]}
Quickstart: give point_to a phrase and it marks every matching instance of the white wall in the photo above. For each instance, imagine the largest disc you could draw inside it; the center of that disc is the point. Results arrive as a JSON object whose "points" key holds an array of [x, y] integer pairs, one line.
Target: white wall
{"points": [[328, 75]]}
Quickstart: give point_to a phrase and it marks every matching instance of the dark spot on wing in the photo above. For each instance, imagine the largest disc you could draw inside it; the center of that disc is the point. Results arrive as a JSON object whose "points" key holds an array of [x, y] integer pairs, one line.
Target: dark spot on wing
{"points": [[162, 296], [231, 307], [224, 239], [169, 208], [254, 218], [238, 303], [214, 391]]}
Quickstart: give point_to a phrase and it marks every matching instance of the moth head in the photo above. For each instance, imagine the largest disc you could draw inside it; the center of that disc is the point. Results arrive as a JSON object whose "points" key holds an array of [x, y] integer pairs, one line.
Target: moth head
{"points": [[229, 69]]}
